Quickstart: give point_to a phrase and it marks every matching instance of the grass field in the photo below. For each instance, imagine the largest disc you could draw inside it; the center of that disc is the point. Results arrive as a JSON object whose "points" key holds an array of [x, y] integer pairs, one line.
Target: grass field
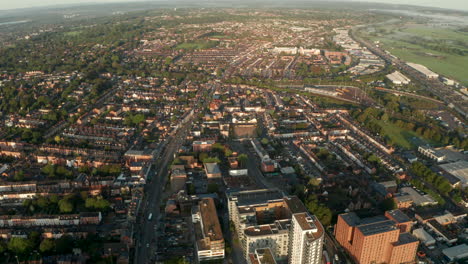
{"points": [[72, 33], [448, 64], [197, 45], [401, 137]]}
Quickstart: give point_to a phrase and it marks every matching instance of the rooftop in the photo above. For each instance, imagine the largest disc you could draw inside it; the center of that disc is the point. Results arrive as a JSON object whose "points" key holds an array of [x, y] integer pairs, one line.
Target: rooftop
{"points": [[252, 197], [398, 216], [377, 227], [211, 226], [406, 238]]}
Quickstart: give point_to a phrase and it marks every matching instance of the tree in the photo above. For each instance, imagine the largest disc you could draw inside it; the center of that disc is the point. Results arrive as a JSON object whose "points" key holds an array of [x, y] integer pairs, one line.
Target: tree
{"points": [[3, 247], [314, 182], [388, 204], [19, 175], [242, 159], [65, 206], [384, 117], [19, 245], [42, 202], [97, 203], [213, 188], [47, 245], [49, 170], [322, 212], [264, 141], [64, 244]]}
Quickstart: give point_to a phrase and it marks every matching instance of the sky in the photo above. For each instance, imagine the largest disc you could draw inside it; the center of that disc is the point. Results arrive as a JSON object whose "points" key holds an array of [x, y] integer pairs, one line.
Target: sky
{"points": [[12, 4]]}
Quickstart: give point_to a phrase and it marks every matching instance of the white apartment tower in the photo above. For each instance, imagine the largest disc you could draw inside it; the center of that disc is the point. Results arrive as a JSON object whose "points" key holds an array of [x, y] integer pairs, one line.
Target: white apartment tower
{"points": [[306, 239]]}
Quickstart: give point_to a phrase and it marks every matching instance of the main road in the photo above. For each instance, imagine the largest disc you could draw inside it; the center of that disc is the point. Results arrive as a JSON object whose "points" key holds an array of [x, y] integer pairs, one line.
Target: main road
{"points": [[146, 234]]}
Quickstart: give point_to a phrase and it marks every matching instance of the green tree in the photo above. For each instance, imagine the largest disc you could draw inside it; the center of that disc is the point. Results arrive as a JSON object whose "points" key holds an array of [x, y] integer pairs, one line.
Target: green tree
{"points": [[65, 206], [19, 245], [242, 159], [42, 202], [387, 204], [19, 175], [49, 170], [47, 245], [64, 244], [213, 188]]}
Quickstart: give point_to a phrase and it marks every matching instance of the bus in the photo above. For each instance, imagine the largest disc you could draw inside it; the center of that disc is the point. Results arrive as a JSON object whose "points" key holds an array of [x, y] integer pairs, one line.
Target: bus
{"points": [[150, 216], [326, 258]]}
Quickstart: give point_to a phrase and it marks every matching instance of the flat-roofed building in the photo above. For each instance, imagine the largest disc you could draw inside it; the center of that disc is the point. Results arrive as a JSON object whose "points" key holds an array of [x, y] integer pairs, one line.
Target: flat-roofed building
{"points": [[431, 153], [212, 170], [424, 70], [401, 219], [457, 169], [264, 218], [209, 240], [456, 252], [262, 256], [397, 78], [375, 240], [424, 237], [202, 146], [306, 239]]}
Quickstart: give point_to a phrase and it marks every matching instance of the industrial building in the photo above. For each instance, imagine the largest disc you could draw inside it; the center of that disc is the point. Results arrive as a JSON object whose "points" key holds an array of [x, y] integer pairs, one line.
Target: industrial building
{"points": [[398, 78], [424, 70], [457, 169]]}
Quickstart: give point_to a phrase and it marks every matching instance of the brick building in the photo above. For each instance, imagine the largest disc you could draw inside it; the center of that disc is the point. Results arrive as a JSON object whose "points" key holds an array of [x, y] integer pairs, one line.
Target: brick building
{"points": [[375, 240]]}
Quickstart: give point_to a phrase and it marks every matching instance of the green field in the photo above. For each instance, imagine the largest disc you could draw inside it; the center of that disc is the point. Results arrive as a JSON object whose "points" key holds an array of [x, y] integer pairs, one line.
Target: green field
{"points": [[72, 33], [398, 43], [401, 137], [197, 45]]}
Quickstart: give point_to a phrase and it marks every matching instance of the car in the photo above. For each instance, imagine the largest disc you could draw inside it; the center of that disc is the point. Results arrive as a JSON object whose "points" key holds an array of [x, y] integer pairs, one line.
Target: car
{"points": [[147, 245]]}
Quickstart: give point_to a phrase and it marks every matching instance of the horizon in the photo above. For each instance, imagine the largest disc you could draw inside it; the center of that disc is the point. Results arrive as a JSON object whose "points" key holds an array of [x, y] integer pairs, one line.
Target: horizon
{"points": [[456, 5]]}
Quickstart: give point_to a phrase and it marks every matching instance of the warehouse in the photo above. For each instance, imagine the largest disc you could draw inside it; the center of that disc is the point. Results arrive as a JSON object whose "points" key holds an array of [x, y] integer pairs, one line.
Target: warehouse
{"points": [[424, 70], [397, 78]]}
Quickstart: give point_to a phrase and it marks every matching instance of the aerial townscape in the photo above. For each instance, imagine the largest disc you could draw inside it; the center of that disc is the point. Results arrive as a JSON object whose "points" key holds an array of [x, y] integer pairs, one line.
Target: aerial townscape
{"points": [[250, 132]]}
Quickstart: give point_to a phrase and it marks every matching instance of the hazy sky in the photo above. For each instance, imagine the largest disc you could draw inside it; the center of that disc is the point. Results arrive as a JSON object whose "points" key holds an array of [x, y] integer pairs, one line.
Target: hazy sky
{"points": [[12, 4]]}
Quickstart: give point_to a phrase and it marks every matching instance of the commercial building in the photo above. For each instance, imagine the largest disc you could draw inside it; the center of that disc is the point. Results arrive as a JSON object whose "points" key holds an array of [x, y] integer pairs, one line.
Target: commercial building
{"points": [[375, 240], [456, 252], [397, 78], [431, 153], [457, 169], [209, 241], [267, 219], [408, 197], [424, 237]]}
